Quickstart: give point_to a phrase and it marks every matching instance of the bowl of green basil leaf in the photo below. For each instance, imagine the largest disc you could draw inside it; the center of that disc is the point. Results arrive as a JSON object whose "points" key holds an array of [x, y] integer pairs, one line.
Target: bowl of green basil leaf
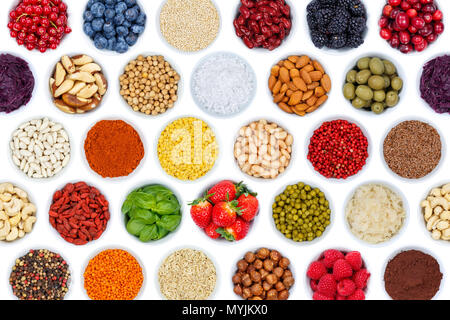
{"points": [[151, 212]]}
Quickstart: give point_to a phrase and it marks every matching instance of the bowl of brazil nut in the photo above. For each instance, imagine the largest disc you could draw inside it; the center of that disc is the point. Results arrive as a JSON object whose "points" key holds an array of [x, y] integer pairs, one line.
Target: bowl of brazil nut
{"points": [[77, 84]]}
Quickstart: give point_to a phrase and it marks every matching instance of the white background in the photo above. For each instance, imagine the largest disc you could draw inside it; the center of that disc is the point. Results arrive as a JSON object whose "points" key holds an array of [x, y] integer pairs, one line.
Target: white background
{"points": [[263, 233]]}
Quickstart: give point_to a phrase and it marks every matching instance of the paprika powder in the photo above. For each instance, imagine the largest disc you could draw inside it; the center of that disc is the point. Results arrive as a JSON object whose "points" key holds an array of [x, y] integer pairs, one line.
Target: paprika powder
{"points": [[113, 148]]}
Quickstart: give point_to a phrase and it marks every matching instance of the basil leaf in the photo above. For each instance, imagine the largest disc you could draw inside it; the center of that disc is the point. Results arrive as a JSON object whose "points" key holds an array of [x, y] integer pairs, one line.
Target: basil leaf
{"points": [[169, 222], [167, 207], [149, 233], [135, 226], [127, 205], [156, 189], [162, 232], [147, 216], [144, 200]]}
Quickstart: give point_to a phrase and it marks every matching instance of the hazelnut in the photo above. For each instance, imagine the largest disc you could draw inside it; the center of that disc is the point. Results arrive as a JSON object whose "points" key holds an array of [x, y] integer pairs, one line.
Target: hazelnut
{"points": [[287, 273], [279, 286], [263, 273], [250, 257], [283, 295], [256, 289], [272, 294], [288, 282], [271, 279], [284, 263], [263, 253], [255, 276], [255, 298], [251, 268], [268, 265], [258, 264], [266, 286], [238, 290], [275, 255], [278, 271], [242, 265], [236, 278], [246, 293], [246, 281]]}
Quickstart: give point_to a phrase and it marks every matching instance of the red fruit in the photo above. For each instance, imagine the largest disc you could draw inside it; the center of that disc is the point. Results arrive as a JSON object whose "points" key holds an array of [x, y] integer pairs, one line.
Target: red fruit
{"points": [[402, 20], [418, 22], [383, 22], [331, 256], [316, 270], [437, 15], [313, 284], [339, 297], [223, 191], [387, 9], [224, 213], [428, 17], [438, 28], [412, 29], [201, 212], [211, 231], [405, 6], [421, 46], [405, 48], [237, 231], [357, 295], [319, 296], [385, 33], [360, 278], [342, 269], [327, 285], [346, 287], [411, 13], [431, 38], [354, 259], [249, 206], [395, 3], [416, 39]]}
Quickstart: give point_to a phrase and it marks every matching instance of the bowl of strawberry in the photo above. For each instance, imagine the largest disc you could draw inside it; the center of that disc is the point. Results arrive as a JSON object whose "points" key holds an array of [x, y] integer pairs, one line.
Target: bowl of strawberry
{"points": [[39, 24], [225, 211], [338, 275], [411, 25]]}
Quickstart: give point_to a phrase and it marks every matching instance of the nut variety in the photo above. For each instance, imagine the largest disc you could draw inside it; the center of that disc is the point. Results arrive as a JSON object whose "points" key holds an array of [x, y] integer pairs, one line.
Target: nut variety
{"points": [[17, 213], [299, 85], [263, 149], [149, 85], [263, 275], [436, 212], [40, 148], [77, 84]]}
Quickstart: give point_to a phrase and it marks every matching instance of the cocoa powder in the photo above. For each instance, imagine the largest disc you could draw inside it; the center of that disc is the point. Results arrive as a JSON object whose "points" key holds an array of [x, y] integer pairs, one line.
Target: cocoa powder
{"points": [[412, 275]]}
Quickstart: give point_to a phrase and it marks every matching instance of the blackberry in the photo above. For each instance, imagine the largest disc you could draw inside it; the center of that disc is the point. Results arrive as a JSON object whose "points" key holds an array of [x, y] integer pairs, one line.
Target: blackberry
{"points": [[337, 41], [357, 9], [312, 23], [319, 40], [323, 16], [313, 6], [356, 25], [354, 40], [338, 25]]}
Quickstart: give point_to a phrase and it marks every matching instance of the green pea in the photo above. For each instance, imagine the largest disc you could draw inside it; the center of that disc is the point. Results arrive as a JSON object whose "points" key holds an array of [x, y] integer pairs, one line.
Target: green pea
{"points": [[377, 107], [392, 99], [351, 76], [376, 82], [359, 103], [397, 83], [389, 67], [364, 92], [363, 63], [363, 76], [349, 91], [376, 66]]}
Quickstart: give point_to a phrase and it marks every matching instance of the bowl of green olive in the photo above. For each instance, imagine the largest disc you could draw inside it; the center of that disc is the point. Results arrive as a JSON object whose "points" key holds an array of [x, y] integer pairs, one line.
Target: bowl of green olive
{"points": [[373, 84]]}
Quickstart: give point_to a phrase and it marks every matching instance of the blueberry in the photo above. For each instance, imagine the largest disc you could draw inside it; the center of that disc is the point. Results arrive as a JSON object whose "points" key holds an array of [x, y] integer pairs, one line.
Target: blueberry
{"points": [[97, 24], [131, 14], [110, 35], [98, 9], [87, 28], [88, 16], [110, 2], [122, 31], [137, 29], [109, 14], [119, 19], [130, 3], [108, 27], [131, 39], [126, 24], [121, 7], [90, 3], [100, 41], [121, 46], [111, 44], [141, 19]]}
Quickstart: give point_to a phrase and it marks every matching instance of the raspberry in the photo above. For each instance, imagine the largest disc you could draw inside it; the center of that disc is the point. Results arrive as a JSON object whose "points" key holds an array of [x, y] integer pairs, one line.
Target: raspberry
{"points": [[342, 269], [354, 259], [313, 284], [360, 278], [330, 257], [319, 296], [327, 285], [357, 295], [339, 297], [346, 287], [316, 270]]}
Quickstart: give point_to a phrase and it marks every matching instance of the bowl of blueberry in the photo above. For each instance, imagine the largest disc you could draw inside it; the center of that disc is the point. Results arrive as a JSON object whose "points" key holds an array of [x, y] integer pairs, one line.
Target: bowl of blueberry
{"points": [[114, 25]]}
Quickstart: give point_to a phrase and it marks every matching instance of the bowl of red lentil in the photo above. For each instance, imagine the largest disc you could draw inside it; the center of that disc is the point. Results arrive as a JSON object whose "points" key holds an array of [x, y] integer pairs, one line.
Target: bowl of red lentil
{"points": [[128, 283]]}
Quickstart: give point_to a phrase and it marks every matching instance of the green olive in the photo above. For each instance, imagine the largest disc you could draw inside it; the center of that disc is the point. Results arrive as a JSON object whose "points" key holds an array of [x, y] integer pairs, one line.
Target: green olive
{"points": [[364, 92], [377, 107], [363, 76], [387, 82], [389, 68], [351, 76], [391, 98], [376, 82], [376, 66], [363, 63], [359, 103], [349, 91], [379, 95], [397, 83]]}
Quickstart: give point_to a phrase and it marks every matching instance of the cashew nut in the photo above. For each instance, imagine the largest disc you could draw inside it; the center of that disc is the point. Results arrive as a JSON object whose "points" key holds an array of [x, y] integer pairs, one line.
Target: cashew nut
{"points": [[28, 225], [13, 234], [22, 194], [445, 215], [15, 220], [445, 189], [3, 215], [440, 202], [436, 234], [6, 187], [431, 222], [5, 197], [27, 210], [14, 209], [5, 230]]}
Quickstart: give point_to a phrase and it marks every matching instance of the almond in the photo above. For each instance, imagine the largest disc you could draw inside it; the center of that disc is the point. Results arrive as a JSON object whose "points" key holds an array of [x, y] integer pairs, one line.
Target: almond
{"points": [[283, 106], [275, 71], [321, 100], [319, 91], [272, 81], [294, 73], [295, 98], [316, 64], [278, 98], [313, 85], [288, 65], [284, 88], [305, 76], [276, 87], [302, 61], [299, 83], [308, 68], [301, 107], [311, 101], [293, 59], [311, 109], [326, 82], [315, 75], [308, 94], [284, 75]]}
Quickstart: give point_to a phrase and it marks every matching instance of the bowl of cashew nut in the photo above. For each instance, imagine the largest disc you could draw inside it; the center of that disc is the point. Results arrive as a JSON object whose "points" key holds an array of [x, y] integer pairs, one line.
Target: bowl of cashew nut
{"points": [[17, 213]]}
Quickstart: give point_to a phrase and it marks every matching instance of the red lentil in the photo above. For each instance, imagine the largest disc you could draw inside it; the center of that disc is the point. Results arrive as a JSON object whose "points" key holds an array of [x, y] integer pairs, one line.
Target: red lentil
{"points": [[113, 274], [79, 213], [338, 149]]}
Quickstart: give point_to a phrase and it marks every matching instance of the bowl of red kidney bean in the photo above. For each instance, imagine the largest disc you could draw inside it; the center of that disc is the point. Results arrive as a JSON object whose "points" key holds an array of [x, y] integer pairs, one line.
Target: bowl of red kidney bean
{"points": [[263, 24]]}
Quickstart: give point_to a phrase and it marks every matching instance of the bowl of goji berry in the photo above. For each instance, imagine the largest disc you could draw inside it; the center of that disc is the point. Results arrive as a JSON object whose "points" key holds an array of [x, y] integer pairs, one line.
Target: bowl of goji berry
{"points": [[225, 210]]}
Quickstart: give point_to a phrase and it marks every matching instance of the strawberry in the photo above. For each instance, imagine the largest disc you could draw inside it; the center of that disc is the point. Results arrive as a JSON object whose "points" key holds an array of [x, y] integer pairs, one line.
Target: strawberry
{"points": [[360, 278], [316, 270], [342, 269], [237, 231], [319, 296], [224, 213], [330, 257], [223, 191], [201, 211], [357, 295], [211, 231], [327, 285], [249, 206], [346, 287], [354, 259]]}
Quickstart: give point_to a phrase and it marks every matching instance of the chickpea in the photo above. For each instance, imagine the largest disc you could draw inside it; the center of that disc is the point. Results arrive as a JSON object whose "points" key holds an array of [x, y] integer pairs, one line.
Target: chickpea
{"points": [[264, 274], [266, 286], [287, 273], [250, 269]]}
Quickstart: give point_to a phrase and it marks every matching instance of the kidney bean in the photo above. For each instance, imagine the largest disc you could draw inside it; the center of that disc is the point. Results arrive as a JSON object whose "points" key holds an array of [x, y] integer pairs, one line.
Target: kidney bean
{"points": [[248, 3], [245, 12], [248, 43]]}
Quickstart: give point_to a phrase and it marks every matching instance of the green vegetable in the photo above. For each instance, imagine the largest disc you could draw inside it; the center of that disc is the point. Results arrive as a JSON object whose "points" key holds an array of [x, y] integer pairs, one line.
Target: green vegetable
{"points": [[151, 212]]}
